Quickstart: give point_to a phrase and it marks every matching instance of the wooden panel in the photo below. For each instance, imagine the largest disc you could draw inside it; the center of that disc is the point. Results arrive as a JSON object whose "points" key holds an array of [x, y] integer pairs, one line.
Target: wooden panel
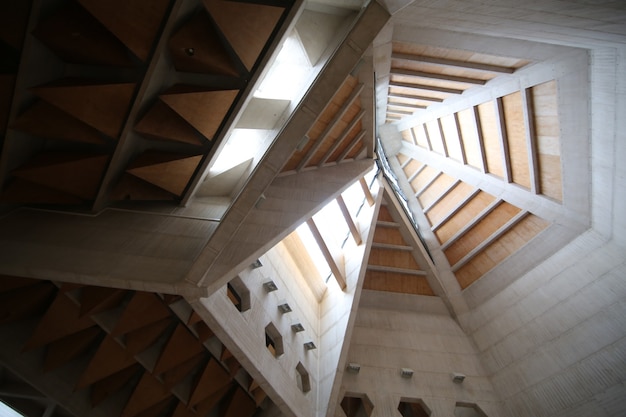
{"points": [[102, 106], [204, 110], [491, 138], [47, 121], [246, 26], [334, 134], [423, 178], [110, 358], [450, 202], [384, 215], [396, 282], [213, 380], [58, 170], [435, 189], [77, 37], [547, 135], [469, 211], [22, 191], [61, 319], [133, 188], [451, 137], [477, 234], [162, 122], [94, 300], [181, 346], [141, 339], [171, 172], [388, 235], [142, 310], [356, 131], [196, 47], [391, 257], [407, 136], [106, 387], [470, 139], [516, 139], [412, 167], [136, 23], [434, 134], [240, 405], [149, 392], [420, 136], [62, 351], [402, 158], [495, 253]]}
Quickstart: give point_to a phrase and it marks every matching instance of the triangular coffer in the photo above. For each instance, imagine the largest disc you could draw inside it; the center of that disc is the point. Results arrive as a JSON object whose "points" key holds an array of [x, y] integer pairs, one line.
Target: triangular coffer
{"points": [[102, 106], [45, 120], [197, 47], [162, 122], [246, 26], [170, 172], [204, 110], [135, 23], [58, 171]]}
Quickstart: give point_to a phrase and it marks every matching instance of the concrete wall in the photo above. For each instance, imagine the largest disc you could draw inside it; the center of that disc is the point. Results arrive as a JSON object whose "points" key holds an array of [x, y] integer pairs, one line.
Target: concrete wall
{"points": [[422, 336], [554, 342]]}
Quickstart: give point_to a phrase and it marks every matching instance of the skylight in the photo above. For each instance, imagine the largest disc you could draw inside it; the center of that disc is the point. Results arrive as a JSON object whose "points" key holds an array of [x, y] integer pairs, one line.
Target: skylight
{"points": [[6, 411]]}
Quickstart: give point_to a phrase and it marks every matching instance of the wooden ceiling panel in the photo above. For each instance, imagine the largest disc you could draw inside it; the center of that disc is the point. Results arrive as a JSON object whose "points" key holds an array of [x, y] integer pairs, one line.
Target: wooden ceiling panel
{"points": [[77, 37], [136, 23], [170, 172], [492, 145], [435, 189], [47, 121], [131, 188], [196, 47], [423, 178], [102, 106], [203, 109], [181, 346], [517, 138], [161, 122], [142, 310], [148, 393], [58, 171], [480, 232], [397, 282], [499, 250], [472, 206], [109, 359], [470, 137], [393, 258], [246, 26]]}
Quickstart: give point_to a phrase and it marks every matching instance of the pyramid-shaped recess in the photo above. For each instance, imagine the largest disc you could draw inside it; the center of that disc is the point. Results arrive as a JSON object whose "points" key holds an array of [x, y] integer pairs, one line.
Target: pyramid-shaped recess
{"points": [[168, 171], [76, 36], [47, 121], [136, 23], [162, 122], [75, 174], [246, 26], [197, 47], [131, 188], [102, 106], [203, 109], [392, 265]]}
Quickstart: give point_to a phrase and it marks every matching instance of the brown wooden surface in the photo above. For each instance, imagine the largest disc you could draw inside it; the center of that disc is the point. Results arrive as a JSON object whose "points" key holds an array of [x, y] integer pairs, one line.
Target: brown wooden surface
{"points": [[162, 122], [246, 26], [396, 282], [463, 217], [516, 139], [168, 171], [491, 139]]}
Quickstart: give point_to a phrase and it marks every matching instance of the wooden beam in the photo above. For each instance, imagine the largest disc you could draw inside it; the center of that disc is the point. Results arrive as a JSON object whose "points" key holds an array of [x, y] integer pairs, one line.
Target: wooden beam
{"points": [[399, 112], [457, 123], [491, 239], [391, 246], [473, 222], [366, 191], [334, 267], [428, 184], [382, 268], [341, 138], [531, 143], [331, 125], [455, 210], [354, 230], [425, 87], [417, 172], [442, 196], [405, 105], [481, 145], [432, 75], [504, 143], [453, 63], [415, 97]]}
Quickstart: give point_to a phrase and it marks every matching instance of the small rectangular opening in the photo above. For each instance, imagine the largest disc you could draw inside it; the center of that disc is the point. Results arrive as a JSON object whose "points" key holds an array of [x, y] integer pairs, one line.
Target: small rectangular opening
{"points": [[302, 376], [273, 340], [238, 294]]}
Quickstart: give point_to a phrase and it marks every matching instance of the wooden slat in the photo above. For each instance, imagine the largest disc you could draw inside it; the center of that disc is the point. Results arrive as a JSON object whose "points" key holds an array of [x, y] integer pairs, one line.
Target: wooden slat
{"points": [[452, 63], [415, 97], [474, 212], [366, 191], [437, 76], [414, 86], [334, 266], [450, 205], [340, 140]]}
